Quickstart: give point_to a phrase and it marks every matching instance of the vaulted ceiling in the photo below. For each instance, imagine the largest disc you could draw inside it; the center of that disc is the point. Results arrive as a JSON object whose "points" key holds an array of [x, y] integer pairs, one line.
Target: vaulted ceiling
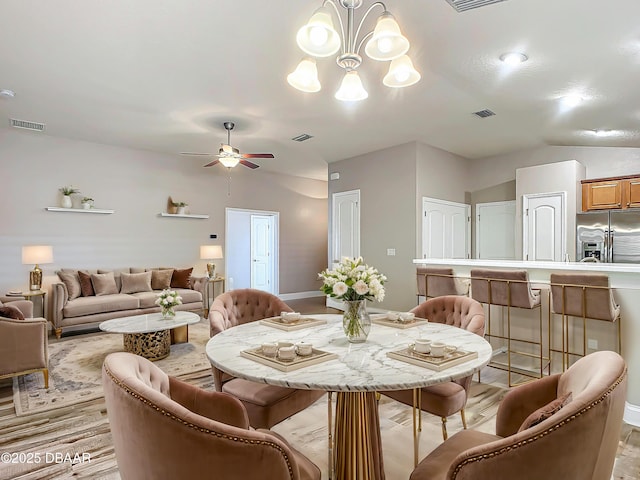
{"points": [[163, 75]]}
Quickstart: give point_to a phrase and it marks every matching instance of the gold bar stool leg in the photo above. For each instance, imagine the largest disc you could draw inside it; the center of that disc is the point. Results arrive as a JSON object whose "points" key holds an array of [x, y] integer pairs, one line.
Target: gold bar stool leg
{"points": [[330, 437], [415, 428]]}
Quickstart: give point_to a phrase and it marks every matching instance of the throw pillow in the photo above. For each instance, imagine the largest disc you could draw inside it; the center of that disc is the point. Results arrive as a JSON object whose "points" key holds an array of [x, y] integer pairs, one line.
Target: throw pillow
{"points": [[9, 311], [86, 287], [161, 279], [135, 282], [104, 283], [541, 414], [180, 278], [72, 282]]}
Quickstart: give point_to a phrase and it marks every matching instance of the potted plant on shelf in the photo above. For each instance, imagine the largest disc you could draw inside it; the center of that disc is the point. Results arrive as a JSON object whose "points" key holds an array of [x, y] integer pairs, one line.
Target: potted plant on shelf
{"points": [[180, 206], [87, 203], [67, 191]]}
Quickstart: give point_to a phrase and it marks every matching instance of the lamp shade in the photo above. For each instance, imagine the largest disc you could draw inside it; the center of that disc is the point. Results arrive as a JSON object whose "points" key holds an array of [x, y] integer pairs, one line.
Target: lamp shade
{"points": [[401, 73], [318, 37], [210, 252], [387, 42], [351, 89], [35, 254], [305, 76]]}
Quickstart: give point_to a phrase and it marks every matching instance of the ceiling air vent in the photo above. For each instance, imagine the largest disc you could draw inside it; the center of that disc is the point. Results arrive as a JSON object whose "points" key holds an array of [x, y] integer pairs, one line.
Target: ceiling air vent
{"points": [[34, 126], [464, 5], [302, 137], [484, 113]]}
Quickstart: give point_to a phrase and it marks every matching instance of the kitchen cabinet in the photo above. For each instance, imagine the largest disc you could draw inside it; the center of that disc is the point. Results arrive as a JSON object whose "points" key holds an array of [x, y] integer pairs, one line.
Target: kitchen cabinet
{"points": [[611, 193]]}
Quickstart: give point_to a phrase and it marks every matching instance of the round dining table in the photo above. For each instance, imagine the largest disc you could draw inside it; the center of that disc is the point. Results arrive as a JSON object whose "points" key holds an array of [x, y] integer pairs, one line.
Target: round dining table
{"points": [[356, 372]]}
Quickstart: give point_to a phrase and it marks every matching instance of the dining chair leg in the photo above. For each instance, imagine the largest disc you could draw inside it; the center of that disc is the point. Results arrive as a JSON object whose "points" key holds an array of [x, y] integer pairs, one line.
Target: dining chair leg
{"points": [[464, 419], [415, 428], [330, 437], [444, 428]]}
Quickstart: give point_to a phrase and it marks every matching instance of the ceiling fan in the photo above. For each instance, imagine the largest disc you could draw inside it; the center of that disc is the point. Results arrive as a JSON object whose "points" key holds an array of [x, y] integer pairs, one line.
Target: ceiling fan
{"points": [[230, 156]]}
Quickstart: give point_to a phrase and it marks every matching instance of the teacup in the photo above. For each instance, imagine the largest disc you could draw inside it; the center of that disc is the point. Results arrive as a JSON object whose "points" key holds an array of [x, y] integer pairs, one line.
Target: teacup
{"points": [[393, 316], [422, 345], [304, 349], [407, 317], [289, 317], [287, 353], [437, 349], [270, 349]]}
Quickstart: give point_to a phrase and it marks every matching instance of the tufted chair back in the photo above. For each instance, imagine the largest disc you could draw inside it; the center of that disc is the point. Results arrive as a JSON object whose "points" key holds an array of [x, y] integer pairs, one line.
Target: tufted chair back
{"points": [[245, 305], [164, 428], [461, 312]]}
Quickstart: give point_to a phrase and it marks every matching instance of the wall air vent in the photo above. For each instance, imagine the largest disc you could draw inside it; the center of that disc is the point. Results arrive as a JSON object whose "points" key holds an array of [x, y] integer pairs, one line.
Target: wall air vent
{"points": [[34, 126], [464, 5], [302, 137], [484, 113]]}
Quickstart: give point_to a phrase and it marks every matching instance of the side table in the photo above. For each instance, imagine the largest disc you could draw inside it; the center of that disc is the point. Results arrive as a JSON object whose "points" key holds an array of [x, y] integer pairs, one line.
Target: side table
{"points": [[30, 295], [210, 292]]}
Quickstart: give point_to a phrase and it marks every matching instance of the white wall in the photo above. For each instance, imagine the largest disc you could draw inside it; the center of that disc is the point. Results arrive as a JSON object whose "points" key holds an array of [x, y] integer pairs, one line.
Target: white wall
{"points": [[238, 245], [137, 184]]}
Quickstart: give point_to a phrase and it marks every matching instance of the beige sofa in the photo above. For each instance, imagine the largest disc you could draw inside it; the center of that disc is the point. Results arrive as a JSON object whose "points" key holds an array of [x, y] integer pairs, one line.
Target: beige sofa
{"points": [[84, 298]]}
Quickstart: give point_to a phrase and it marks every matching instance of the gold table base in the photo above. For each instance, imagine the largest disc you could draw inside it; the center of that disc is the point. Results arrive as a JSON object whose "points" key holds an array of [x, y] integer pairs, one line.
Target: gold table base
{"points": [[358, 449], [152, 345]]}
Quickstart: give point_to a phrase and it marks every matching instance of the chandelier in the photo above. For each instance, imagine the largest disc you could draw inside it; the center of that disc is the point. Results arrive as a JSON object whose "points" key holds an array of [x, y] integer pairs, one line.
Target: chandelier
{"points": [[319, 38]]}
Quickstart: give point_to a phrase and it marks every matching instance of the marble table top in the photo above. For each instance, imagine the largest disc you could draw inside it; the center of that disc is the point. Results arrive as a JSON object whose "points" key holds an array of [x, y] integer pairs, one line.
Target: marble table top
{"points": [[359, 367], [151, 322]]}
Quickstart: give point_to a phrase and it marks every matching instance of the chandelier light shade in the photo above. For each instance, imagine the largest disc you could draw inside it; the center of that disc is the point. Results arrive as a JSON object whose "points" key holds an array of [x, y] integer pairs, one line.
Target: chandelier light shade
{"points": [[319, 38], [229, 162], [305, 76]]}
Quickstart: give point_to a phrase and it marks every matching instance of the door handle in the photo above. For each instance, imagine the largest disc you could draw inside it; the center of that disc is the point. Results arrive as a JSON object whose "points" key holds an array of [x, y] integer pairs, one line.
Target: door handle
{"points": [[255, 260]]}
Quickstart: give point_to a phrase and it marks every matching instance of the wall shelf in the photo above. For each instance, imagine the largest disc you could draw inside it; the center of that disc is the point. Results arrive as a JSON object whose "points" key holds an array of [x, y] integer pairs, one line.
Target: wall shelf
{"points": [[183, 215], [80, 210]]}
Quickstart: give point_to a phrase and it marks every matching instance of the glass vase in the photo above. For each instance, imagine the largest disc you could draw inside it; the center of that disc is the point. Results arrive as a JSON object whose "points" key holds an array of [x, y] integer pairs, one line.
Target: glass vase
{"points": [[168, 313], [356, 322]]}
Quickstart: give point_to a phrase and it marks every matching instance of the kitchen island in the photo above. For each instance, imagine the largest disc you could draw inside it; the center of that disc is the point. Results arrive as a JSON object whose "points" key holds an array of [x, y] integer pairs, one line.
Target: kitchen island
{"points": [[624, 279]]}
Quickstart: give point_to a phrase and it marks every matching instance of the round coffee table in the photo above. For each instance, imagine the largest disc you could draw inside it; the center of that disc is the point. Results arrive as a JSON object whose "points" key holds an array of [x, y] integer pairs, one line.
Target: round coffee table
{"points": [[148, 335]]}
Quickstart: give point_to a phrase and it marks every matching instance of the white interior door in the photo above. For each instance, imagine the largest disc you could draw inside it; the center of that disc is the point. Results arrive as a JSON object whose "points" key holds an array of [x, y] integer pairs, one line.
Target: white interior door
{"points": [[544, 226], [345, 230], [262, 242], [496, 230], [446, 229]]}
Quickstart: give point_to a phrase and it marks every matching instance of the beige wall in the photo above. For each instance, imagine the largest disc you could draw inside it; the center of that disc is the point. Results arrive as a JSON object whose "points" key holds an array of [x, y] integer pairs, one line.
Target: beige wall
{"points": [[136, 184]]}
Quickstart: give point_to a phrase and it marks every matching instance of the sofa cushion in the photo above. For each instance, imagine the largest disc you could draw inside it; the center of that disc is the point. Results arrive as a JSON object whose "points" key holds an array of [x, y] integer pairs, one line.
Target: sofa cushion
{"points": [[135, 282], [9, 311], [72, 282], [86, 287], [146, 299], [188, 295], [104, 283], [548, 410], [161, 279], [181, 278], [99, 304]]}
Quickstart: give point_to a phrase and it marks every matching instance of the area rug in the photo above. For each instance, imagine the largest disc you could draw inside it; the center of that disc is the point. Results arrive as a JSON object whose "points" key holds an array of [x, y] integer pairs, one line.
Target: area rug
{"points": [[75, 366]]}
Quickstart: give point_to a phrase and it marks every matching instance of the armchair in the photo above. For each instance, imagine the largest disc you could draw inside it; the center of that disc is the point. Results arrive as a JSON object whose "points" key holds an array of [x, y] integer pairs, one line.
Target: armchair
{"points": [[164, 428], [541, 432], [266, 405], [23, 341]]}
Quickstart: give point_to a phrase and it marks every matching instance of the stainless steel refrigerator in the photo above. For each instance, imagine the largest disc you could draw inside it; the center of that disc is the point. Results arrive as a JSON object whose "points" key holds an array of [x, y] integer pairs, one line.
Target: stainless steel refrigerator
{"points": [[611, 236]]}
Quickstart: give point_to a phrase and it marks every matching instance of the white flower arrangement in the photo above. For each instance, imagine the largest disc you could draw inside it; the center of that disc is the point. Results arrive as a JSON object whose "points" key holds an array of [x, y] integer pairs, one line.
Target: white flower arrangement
{"points": [[353, 280], [167, 300]]}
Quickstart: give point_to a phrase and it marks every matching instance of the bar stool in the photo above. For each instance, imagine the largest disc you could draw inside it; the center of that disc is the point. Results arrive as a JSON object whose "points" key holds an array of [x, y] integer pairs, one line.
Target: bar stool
{"points": [[438, 282], [586, 295], [509, 288]]}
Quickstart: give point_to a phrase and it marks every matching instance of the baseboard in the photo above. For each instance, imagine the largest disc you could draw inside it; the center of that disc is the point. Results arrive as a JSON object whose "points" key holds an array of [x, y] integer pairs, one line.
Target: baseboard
{"points": [[299, 295], [632, 414]]}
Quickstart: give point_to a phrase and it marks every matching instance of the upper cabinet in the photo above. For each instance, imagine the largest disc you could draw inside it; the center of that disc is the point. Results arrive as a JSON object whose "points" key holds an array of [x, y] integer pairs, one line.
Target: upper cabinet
{"points": [[611, 193]]}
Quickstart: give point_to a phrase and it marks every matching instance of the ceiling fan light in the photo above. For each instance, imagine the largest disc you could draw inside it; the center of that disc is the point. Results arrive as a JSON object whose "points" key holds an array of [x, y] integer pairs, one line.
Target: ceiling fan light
{"points": [[305, 76], [229, 162], [387, 41], [351, 89], [401, 73], [318, 37]]}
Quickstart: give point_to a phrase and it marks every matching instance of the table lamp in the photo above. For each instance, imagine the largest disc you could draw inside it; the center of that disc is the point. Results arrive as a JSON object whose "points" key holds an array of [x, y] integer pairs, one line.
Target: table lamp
{"points": [[35, 254], [210, 252]]}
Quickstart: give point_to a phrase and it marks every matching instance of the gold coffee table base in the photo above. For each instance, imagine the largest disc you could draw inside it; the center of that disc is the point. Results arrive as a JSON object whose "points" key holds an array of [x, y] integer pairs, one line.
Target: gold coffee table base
{"points": [[152, 345]]}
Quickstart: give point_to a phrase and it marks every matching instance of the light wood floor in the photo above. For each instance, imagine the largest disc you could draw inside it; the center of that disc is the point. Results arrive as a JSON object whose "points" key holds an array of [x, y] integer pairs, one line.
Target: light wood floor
{"points": [[84, 428]]}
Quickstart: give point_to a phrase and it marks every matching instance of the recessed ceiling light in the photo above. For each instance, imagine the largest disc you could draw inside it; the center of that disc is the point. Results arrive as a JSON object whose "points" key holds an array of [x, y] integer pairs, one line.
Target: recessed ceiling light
{"points": [[7, 93], [572, 100], [513, 58], [604, 133]]}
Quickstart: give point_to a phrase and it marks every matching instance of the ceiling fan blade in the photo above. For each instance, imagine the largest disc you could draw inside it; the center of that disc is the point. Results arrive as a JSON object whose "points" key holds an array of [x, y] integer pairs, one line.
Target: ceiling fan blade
{"points": [[211, 164], [196, 154], [257, 155], [249, 164]]}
